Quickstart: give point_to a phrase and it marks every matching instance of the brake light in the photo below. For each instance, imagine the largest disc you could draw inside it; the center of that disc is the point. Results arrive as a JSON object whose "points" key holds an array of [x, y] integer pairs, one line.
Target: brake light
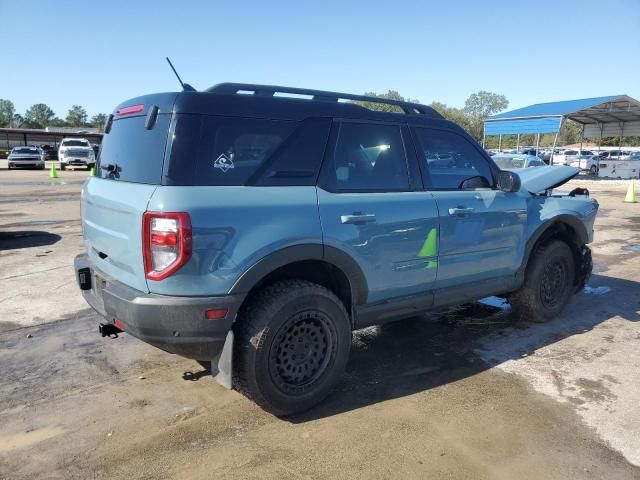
{"points": [[130, 110], [166, 243]]}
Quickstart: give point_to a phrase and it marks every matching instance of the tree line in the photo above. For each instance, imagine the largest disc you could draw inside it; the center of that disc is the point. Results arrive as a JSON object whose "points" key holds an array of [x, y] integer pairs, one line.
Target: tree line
{"points": [[471, 117], [483, 104], [41, 115]]}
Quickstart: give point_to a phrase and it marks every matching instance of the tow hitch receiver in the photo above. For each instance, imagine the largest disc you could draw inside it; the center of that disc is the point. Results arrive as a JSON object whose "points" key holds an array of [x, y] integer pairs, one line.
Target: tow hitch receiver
{"points": [[109, 330]]}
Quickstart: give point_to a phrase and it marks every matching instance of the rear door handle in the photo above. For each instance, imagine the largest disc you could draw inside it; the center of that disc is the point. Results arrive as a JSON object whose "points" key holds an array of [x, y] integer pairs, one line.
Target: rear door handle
{"points": [[358, 218], [460, 211]]}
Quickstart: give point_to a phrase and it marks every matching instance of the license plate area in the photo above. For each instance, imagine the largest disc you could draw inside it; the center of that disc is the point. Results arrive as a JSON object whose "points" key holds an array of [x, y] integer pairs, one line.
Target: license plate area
{"points": [[99, 284]]}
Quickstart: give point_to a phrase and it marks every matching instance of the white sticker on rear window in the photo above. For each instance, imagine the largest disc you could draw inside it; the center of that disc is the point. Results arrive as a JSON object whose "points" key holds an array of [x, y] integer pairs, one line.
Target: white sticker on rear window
{"points": [[224, 163]]}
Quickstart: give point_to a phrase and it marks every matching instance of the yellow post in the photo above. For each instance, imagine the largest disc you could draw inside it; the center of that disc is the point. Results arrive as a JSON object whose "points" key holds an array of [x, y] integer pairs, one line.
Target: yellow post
{"points": [[631, 193], [91, 172], [53, 173]]}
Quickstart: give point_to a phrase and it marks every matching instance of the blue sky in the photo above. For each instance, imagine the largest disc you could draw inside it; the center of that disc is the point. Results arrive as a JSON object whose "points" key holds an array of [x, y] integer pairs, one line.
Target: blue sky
{"points": [[98, 54]]}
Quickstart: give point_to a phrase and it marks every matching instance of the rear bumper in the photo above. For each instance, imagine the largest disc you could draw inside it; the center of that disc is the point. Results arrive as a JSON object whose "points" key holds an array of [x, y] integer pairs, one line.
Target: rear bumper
{"points": [[174, 324]]}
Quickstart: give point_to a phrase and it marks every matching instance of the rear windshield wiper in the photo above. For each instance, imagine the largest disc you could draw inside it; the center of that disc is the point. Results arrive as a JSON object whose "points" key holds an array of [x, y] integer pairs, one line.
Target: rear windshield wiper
{"points": [[111, 168]]}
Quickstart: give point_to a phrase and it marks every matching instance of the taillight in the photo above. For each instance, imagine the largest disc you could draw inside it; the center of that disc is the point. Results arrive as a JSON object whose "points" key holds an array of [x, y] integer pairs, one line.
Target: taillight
{"points": [[166, 243]]}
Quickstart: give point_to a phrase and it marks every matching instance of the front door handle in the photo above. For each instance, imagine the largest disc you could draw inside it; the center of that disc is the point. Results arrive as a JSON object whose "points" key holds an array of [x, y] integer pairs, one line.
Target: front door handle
{"points": [[357, 218], [460, 211]]}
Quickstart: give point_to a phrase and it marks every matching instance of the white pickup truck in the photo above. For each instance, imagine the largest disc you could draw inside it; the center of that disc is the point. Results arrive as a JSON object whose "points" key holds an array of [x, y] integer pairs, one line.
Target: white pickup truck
{"points": [[567, 157], [76, 152]]}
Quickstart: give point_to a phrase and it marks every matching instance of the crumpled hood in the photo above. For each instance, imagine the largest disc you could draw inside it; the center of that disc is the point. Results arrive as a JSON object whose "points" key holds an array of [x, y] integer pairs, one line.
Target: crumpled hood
{"points": [[539, 179]]}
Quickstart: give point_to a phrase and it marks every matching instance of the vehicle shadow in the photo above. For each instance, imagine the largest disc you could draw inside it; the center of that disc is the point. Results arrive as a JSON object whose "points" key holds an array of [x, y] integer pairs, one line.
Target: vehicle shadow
{"points": [[26, 239], [411, 356]]}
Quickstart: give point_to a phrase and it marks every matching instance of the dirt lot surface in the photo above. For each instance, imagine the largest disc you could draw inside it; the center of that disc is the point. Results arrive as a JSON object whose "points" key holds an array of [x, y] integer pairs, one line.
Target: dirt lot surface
{"points": [[464, 395]]}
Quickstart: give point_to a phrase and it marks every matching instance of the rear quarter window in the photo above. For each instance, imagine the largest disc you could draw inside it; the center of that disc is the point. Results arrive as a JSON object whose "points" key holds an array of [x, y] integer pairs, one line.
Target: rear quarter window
{"points": [[219, 151]]}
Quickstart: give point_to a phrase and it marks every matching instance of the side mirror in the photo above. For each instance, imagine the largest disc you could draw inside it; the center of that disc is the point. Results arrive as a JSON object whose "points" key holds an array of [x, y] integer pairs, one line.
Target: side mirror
{"points": [[474, 182], [508, 181]]}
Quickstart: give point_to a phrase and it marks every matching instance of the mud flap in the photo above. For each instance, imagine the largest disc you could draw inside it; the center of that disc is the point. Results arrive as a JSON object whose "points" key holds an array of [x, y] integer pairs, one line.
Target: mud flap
{"points": [[222, 364], [584, 268]]}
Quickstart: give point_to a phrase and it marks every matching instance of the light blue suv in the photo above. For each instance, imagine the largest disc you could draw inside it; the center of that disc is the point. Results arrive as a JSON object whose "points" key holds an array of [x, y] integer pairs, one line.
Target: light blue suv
{"points": [[256, 226]]}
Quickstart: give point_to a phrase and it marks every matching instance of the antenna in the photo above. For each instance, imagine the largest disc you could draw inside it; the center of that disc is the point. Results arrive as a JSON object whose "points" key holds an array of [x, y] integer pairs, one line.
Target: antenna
{"points": [[185, 86]]}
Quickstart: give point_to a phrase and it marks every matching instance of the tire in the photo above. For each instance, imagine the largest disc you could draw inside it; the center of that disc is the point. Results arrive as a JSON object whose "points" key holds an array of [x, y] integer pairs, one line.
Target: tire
{"points": [[281, 376], [548, 283], [593, 170], [63, 167]]}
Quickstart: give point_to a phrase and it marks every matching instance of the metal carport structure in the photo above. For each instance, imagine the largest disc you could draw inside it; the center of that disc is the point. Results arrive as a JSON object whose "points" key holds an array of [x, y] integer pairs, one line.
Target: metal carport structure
{"points": [[612, 116]]}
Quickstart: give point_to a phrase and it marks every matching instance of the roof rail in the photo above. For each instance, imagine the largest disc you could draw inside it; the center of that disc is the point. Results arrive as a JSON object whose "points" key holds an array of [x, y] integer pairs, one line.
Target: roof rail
{"points": [[318, 95]]}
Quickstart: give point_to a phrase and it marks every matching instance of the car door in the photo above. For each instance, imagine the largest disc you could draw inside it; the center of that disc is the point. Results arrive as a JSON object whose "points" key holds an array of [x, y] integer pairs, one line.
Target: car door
{"points": [[481, 229], [372, 209]]}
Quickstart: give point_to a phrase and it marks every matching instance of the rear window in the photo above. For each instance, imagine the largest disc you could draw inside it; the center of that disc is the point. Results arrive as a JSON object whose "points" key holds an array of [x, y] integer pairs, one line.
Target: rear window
{"points": [[216, 150], [131, 153]]}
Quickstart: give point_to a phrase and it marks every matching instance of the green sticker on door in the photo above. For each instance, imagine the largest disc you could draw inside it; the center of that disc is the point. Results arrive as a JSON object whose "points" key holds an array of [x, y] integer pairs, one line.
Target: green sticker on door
{"points": [[430, 248]]}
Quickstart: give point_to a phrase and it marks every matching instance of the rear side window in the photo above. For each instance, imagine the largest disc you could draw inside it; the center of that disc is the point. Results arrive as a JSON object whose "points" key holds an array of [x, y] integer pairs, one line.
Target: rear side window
{"points": [[212, 150], [366, 157], [131, 153], [451, 159]]}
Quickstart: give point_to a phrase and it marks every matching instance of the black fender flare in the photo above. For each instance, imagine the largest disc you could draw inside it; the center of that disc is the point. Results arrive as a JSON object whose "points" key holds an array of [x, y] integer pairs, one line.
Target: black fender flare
{"points": [[545, 228], [296, 253]]}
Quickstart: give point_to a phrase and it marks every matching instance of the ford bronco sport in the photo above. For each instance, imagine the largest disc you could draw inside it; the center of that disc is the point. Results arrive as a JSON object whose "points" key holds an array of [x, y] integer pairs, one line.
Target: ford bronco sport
{"points": [[256, 226]]}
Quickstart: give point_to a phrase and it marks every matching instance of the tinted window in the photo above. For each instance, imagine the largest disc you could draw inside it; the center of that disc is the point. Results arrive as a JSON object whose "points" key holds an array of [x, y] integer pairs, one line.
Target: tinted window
{"points": [[211, 150], [367, 157], [571, 152], [450, 159], [133, 153], [587, 152]]}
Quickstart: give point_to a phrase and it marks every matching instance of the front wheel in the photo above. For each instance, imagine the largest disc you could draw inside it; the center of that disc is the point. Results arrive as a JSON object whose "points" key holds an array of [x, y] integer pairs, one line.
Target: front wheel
{"points": [[548, 283], [63, 167], [292, 344], [593, 169]]}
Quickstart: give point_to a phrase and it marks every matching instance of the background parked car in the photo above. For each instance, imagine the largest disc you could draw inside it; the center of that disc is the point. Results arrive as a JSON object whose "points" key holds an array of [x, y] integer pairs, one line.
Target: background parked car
{"points": [[569, 156], [548, 153], [50, 153], [615, 154], [590, 164], [530, 151], [28, 156], [509, 162]]}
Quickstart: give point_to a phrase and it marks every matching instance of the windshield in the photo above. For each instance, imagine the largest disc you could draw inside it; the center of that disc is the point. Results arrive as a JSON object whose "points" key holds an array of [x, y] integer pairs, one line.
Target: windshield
{"points": [[74, 143], [25, 150]]}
